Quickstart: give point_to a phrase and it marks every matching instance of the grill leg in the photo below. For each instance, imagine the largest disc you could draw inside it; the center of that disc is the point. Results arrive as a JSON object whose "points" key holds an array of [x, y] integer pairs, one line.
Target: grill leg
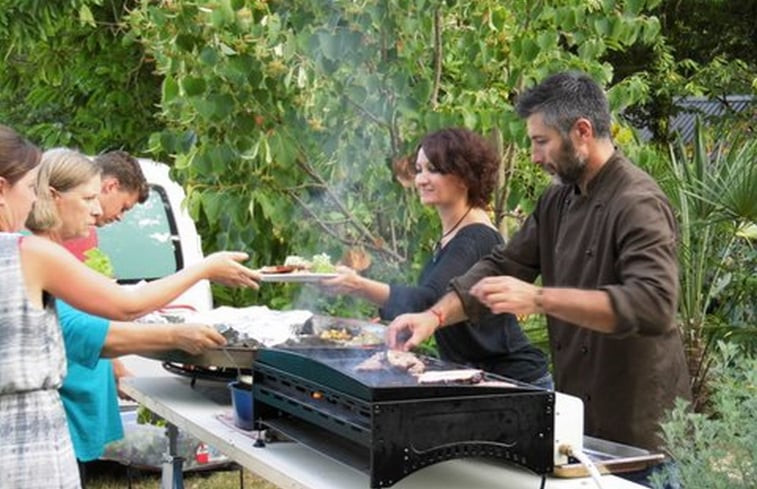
{"points": [[260, 438], [171, 473]]}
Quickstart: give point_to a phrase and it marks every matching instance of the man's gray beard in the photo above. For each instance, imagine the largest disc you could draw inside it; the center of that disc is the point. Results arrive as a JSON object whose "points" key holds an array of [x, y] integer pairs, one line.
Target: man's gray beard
{"points": [[573, 166]]}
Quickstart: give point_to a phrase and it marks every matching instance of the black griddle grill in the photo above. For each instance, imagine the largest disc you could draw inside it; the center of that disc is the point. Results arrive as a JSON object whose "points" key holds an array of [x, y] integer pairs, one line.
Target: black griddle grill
{"points": [[387, 425]]}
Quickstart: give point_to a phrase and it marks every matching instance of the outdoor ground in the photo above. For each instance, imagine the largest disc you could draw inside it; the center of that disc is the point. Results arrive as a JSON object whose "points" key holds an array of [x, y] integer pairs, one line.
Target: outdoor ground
{"points": [[108, 475]]}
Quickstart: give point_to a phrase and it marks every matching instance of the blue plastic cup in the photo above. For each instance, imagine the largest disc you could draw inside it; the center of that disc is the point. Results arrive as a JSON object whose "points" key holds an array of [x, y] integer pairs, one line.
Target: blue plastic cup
{"points": [[241, 403]]}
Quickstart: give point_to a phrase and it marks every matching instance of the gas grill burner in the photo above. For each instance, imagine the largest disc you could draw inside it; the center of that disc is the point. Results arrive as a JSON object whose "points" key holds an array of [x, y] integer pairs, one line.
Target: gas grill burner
{"points": [[195, 372], [388, 425]]}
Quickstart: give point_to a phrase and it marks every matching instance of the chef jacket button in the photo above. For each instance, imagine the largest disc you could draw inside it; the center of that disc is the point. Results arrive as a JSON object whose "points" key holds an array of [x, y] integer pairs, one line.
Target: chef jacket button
{"points": [[589, 252], [584, 349], [587, 397], [558, 346]]}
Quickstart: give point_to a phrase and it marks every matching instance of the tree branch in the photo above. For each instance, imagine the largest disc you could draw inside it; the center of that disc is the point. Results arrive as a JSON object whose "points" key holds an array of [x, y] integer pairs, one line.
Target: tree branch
{"points": [[329, 230], [437, 57], [367, 113], [343, 209]]}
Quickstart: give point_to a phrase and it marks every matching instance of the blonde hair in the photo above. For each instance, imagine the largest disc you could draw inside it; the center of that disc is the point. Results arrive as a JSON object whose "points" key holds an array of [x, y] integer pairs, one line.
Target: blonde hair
{"points": [[61, 169]]}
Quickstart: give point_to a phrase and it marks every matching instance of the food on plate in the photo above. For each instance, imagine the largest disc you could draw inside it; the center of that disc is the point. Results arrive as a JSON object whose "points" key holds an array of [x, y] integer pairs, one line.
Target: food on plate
{"points": [[293, 263], [279, 269], [297, 262], [321, 263], [460, 376], [392, 359]]}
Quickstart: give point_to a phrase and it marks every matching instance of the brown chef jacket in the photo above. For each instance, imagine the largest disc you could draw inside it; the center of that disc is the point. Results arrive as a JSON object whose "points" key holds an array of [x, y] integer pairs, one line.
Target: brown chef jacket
{"points": [[619, 237]]}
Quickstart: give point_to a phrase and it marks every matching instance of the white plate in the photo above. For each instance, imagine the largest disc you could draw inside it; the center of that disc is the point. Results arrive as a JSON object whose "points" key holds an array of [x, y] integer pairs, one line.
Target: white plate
{"points": [[300, 277]]}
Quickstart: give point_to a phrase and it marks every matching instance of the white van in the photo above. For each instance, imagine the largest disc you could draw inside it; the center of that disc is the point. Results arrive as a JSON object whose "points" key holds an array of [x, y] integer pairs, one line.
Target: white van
{"points": [[157, 238]]}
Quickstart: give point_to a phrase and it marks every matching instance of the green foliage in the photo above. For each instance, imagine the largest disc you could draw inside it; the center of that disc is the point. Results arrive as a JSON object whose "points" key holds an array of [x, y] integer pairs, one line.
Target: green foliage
{"points": [[707, 51], [711, 185], [99, 261], [145, 416], [283, 118], [717, 450], [73, 76]]}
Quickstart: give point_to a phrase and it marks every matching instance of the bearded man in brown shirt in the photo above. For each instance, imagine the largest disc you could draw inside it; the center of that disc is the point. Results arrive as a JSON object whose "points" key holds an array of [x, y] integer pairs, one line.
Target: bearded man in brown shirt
{"points": [[603, 240]]}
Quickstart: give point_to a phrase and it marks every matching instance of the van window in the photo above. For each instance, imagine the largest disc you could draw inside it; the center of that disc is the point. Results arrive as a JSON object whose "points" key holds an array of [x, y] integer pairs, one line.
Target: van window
{"points": [[145, 245]]}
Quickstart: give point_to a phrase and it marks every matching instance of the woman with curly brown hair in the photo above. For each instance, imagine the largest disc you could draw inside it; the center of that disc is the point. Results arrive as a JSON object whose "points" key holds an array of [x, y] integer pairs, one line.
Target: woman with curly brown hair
{"points": [[455, 172]]}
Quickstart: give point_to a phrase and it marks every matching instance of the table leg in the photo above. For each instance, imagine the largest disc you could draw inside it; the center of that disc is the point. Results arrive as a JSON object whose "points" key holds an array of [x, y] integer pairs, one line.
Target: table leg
{"points": [[171, 473]]}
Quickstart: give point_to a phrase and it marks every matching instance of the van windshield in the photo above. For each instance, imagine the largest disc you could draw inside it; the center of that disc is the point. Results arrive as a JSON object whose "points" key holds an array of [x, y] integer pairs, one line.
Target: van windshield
{"points": [[145, 245]]}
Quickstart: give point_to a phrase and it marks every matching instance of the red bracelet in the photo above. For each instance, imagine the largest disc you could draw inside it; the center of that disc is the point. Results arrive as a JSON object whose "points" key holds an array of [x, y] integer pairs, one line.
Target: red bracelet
{"points": [[439, 315]]}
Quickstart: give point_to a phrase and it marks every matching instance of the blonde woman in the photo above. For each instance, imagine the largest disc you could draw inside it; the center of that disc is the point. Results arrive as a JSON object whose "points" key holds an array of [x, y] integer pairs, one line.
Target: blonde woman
{"points": [[33, 432]]}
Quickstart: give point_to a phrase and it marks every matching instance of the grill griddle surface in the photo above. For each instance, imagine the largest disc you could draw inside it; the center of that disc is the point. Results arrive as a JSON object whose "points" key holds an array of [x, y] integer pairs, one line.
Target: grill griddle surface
{"points": [[335, 368]]}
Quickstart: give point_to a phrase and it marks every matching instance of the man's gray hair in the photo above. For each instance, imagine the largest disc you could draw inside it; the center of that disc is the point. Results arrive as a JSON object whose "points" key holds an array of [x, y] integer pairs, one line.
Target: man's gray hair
{"points": [[564, 98]]}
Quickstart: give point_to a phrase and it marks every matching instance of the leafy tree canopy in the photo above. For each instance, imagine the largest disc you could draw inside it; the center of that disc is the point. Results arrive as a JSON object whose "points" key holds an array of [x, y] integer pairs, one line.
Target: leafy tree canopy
{"points": [[284, 118], [73, 76]]}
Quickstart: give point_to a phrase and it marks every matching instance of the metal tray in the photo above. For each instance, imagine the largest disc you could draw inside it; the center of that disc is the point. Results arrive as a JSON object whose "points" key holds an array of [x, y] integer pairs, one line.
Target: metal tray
{"points": [[363, 333], [610, 458]]}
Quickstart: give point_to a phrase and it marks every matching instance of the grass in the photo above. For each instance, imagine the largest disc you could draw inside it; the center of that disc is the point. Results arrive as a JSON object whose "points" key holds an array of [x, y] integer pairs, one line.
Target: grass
{"points": [[103, 475]]}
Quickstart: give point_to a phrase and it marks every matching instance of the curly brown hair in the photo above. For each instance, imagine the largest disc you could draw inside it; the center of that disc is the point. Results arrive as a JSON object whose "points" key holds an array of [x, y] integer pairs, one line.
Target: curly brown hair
{"points": [[467, 155]]}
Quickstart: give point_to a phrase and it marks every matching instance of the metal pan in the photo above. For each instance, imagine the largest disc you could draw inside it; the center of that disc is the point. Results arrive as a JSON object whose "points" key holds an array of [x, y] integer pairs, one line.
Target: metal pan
{"points": [[610, 458], [362, 333]]}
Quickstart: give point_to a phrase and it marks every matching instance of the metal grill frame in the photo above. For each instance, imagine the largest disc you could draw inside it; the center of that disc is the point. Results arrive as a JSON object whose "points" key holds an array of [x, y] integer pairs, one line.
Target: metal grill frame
{"points": [[390, 439]]}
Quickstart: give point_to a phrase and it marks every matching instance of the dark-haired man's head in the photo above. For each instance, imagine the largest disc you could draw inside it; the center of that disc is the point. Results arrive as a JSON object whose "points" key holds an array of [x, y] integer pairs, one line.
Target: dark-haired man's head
{"points": [[123, 185], [562, 113]]}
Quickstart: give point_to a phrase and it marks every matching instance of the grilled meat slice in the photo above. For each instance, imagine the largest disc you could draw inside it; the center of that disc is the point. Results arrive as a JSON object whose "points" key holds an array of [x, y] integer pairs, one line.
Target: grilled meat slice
{"points": [[373, 363], [461, 376], [281, 269], [405, 361]]}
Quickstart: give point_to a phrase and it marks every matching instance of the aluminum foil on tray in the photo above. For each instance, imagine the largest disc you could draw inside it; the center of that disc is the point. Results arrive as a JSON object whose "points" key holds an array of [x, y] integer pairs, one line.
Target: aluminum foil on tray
{"points": [[255, 326]]}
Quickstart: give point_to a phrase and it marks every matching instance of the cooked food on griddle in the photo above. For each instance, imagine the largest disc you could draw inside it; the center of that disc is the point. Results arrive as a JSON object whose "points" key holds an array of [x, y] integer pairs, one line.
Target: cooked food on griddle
{"points": [[496, 383], [406, 361], [392, 359], [373, 363], [461, 376], [336, 334], [365, 337]]}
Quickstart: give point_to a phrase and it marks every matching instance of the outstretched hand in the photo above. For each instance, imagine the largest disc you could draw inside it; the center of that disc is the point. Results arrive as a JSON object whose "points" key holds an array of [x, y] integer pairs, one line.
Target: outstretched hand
{"points": [[196, 338], [410, 330], [225, 268]]}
